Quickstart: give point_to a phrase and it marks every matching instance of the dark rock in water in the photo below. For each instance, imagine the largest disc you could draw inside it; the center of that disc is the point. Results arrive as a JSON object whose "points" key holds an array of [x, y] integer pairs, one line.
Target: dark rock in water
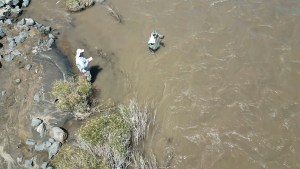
{"points": [[2, 33], [25, 3], [36, 122], [39, 147], [29, 163], [21, 37], [58, 134], [30, 142], [41, 129], [29, 22], [53, 149]]}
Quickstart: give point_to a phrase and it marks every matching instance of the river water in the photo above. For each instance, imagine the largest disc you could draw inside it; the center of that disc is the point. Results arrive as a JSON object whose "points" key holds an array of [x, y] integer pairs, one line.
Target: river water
{"points": [[225, 87]]}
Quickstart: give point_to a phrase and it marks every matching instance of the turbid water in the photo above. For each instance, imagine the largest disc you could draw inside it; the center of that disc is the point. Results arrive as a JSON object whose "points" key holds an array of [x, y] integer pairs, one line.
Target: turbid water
{"points": [[225, 87]]}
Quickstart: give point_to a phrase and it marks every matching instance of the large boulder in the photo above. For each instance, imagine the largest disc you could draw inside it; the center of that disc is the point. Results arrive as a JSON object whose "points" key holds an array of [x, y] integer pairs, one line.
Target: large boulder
{"points": [[78, 5], [58, 134]]}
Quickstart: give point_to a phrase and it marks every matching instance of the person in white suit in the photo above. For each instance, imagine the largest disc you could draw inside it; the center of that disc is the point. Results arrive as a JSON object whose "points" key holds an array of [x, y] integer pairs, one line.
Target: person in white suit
{"points": [[83, 64]]}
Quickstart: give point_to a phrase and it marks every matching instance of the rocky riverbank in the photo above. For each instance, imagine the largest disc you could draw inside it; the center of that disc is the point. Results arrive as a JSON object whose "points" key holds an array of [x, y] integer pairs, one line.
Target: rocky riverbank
{"points": [[30, 124]]}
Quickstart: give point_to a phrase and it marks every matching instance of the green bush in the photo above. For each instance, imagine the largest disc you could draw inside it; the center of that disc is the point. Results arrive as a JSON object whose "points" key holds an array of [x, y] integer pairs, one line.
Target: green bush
{"points": [[72, 95], [109, 129], [71, 157]]}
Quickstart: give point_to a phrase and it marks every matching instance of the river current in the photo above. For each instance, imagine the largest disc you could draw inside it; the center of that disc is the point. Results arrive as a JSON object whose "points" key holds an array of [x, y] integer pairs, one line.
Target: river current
{"points": [[225, 88]]}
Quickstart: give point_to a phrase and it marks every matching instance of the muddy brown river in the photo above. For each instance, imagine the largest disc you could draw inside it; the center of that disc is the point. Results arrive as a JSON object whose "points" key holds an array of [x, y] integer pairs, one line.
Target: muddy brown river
{"points": [[225, 87]]}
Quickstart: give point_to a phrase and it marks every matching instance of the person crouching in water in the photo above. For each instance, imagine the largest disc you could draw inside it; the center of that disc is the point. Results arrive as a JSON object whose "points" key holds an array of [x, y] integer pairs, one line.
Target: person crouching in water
{"points": [[83, 64]]}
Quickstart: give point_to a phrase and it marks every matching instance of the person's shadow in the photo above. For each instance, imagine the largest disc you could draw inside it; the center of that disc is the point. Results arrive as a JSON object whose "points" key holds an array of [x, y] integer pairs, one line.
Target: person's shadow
{"points": [[94, 72]]}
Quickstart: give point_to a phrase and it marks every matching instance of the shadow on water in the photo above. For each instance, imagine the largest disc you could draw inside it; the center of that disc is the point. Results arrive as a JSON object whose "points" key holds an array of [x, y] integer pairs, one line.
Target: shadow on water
{"points": [[94, 72]]}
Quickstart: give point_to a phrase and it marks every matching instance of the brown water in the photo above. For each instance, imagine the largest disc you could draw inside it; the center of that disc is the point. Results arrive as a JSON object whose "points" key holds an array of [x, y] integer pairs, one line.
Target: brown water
{"points": [[225, 86]]}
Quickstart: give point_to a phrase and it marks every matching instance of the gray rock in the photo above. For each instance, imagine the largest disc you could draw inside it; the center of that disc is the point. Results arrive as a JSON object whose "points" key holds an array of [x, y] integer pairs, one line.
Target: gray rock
{"points": [[2, 33], [51, 36], [30, 142], [1, 4], [28, 66], [39, 147], [11, 45], [41, 129], [38, 25], [44, 165], [29, 163], [40, 42], [16, 52], [45, 29], [18, 81], [29, 22], [25, 3], [36, 122], [48, 144], [21, 22], [9, 57], [78, 5], [51, 140], [50, 43], [8, 21], [3, 92], [58, 134], [37, 97], [16, 11], [15, 2], [53, 149], [49, 167], [21, 37]]}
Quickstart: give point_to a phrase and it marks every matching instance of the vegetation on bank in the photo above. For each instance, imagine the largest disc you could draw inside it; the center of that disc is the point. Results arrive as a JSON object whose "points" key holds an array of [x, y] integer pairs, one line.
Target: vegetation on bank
{"points": [[111, 139]]}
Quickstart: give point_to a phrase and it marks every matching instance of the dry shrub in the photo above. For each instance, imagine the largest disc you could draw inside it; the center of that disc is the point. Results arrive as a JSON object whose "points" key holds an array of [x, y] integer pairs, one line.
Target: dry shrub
{"points": [[71, 157]]}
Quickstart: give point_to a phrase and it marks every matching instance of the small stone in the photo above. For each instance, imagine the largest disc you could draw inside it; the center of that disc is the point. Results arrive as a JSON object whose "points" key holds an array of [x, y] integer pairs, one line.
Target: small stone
{"points": [[9, 57], [49, 167], [19, 159], [16, 11], [25, 3], [11, 45], [3, 92], [16, 52], [36, 122], [15, 2], [37, 97], [21, 37], [2, 33], [41, 129], [18, 81], [8, 21], [29, 22], [30, 142], [21, 22], [53, 149], [29, 163], [44, 165], [51, 36], [39, 147], [48, 144], [51, 140], [50, 43], [28, 66]]}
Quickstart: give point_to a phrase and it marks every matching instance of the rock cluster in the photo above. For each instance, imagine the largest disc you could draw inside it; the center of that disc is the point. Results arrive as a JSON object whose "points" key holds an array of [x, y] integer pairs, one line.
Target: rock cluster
{"points": [[21, 37], [57, 137]]}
